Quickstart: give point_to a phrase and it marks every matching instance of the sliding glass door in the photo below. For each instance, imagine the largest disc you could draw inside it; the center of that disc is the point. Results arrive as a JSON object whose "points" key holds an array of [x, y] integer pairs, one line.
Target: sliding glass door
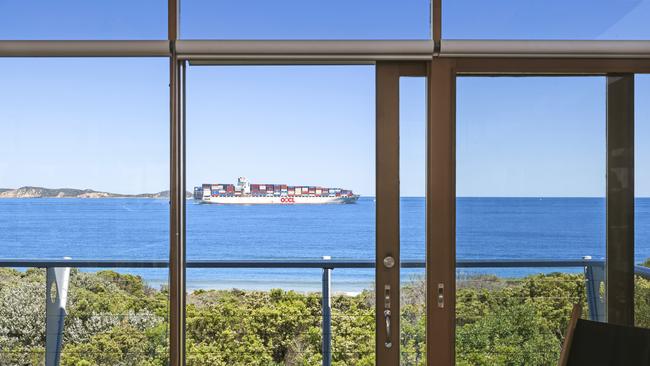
{"points": [[530, 214], [293, 215]]}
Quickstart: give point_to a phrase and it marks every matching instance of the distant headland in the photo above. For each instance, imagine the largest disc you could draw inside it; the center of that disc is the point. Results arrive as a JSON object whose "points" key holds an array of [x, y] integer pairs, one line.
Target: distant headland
{"points": [[40, 192]]}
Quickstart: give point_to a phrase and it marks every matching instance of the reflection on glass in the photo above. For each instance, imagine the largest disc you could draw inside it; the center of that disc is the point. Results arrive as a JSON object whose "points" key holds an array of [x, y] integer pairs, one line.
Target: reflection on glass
{"points": [[530, 186], [84, 175], [412, 219], [552, 19], [642, 199], [296, 19], [278, 156]]}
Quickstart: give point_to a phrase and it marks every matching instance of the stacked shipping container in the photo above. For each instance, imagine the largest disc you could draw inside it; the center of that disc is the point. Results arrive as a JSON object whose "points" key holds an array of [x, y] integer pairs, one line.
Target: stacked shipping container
{"points": [[267, 190]]}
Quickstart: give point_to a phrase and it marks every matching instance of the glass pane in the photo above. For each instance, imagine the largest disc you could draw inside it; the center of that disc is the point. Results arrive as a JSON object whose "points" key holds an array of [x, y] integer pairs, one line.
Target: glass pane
{"points": [[530, 187], [304, 139], [83, 19], [552, 19], [412, 129], [84, 175], [297, 19], [642, 200]]}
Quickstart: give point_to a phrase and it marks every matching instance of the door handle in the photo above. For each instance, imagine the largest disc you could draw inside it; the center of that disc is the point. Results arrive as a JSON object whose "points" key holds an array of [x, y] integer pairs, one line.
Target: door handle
{"points": [[389, 262], [388, 342]]}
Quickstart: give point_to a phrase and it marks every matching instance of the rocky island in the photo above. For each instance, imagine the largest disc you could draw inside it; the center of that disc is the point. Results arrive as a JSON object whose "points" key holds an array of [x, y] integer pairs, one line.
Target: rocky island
{"points": [[40, 192]]}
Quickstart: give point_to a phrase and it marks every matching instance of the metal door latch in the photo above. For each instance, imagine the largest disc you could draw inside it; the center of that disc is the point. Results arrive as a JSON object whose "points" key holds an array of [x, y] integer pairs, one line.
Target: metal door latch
{"points": [[389, 262]]}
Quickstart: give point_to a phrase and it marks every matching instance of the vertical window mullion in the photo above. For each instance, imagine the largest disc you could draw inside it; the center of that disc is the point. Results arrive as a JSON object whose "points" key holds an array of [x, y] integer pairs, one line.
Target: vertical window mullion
{"points": [[387, 274], [620, 199], [441, 213], [177, 194]]}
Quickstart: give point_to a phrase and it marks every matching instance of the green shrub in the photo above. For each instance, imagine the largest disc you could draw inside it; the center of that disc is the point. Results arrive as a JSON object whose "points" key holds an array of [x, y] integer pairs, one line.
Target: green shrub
{"points": [[116, 319]]}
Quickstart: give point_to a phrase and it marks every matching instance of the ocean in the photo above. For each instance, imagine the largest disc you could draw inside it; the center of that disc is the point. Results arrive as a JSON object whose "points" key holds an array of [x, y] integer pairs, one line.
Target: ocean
{"points": [[487, 228]]}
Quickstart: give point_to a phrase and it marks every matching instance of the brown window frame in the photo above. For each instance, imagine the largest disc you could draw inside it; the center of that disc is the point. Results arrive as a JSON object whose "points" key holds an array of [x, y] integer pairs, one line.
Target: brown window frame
{"points": [[619, 61], [441, 194]]}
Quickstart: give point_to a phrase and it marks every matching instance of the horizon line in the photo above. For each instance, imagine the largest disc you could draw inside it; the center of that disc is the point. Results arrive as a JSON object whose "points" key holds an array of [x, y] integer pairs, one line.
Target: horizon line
{"points": [[361, 194]]}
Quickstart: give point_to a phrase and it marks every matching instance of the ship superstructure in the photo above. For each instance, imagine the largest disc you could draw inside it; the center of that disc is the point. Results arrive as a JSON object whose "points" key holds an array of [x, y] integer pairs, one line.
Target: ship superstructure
{"points": [[245, 193]]}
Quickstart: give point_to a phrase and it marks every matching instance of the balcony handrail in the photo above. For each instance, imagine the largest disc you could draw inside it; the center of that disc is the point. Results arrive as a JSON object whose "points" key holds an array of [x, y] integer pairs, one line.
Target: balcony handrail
{"points": [[288, 263], [642, 271], [305, 263]]}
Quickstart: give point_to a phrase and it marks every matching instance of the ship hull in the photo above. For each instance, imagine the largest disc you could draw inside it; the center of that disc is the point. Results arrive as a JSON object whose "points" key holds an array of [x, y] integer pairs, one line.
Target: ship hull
{"points": [[284, 200]]}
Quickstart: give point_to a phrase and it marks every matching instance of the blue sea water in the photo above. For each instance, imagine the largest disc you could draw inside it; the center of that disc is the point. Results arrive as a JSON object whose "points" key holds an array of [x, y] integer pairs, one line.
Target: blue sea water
{"points": [[487, 228]]}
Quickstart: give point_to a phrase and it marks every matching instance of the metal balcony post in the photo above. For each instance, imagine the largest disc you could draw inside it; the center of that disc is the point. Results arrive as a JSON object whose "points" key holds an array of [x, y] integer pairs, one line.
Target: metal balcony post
{"points": [[327, 315], [56, 292]]}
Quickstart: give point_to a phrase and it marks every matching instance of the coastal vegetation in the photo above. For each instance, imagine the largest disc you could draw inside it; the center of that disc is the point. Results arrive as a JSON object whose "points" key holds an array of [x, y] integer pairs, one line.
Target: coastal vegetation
{"points": [[116, 319]]}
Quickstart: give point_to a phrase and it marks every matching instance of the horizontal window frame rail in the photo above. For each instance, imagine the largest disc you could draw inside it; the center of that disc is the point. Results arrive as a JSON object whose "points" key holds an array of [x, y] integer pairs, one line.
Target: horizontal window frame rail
{"points": [[530, 66], [303, 263], [545, 48], [100, 48], [328, 50], [355, 51], [317, 50]]}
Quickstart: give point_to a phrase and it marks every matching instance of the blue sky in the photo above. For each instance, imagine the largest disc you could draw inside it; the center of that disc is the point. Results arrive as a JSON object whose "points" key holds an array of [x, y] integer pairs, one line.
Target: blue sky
{"points": [[519, 135], [319, 19], [103, 123], [546, 19]]}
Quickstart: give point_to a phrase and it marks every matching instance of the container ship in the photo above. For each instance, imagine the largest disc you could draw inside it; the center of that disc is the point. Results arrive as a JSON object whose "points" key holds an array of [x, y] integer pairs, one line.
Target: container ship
{"points": [[245, 193]]}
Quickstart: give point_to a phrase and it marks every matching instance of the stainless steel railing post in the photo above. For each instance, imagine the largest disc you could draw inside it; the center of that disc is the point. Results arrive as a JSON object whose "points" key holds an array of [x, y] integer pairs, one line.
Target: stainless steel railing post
{"points": [[594, 276], [56, 296], [327, 315]]}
